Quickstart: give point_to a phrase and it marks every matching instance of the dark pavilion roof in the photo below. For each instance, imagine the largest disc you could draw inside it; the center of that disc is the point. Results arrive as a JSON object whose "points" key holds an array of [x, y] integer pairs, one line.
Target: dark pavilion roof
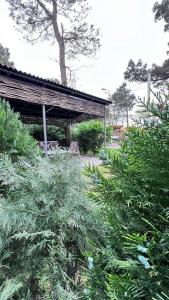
{"points": [[29, 78], [33, 109]]}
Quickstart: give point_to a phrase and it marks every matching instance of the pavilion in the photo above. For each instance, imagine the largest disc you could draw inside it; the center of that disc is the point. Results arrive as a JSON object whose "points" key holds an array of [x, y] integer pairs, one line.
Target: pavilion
{"points": [[43, 101]]}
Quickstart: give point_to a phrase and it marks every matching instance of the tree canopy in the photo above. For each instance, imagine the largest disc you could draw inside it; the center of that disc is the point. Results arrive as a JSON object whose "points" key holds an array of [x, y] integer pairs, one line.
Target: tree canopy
{"points": [[60, 21], [122, 101], [138, 72], [5, 56], [161, 11]]}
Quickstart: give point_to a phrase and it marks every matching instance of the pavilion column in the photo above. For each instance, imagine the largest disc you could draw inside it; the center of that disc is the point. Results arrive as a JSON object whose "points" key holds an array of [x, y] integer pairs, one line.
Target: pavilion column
{"points": [[68, 134], [45, 130]]}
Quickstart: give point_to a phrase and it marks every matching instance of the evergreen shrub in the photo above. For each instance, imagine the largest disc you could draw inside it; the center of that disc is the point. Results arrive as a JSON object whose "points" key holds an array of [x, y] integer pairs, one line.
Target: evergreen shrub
{"points": [[14, 136], [90, 135], [134, 261]]}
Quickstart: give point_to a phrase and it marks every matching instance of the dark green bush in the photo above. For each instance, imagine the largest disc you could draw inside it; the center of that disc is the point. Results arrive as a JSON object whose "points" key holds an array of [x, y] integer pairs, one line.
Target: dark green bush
{"points": [[45, 218], [45, 223], [54, 133], [90, 135], [14, 136], [134, 261]]}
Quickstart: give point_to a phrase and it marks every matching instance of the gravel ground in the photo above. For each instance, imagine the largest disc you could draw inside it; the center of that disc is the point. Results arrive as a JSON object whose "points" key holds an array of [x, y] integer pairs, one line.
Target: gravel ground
{"points": [[92, 160]]}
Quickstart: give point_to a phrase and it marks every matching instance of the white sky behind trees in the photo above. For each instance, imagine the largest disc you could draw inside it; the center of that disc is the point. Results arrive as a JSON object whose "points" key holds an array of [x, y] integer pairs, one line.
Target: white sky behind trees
{"points": [[128, 31]]}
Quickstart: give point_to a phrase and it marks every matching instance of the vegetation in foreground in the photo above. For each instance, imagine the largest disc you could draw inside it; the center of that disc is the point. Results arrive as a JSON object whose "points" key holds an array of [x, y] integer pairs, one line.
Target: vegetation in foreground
{"points": [[45, 218], [50, 229], [134, 261]]}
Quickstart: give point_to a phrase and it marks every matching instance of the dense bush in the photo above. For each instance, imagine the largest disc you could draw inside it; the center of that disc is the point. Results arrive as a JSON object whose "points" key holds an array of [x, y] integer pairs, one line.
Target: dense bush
{"points": [[14, 137], [54, 133], [45, 219], [90, 135], [134, 262]]}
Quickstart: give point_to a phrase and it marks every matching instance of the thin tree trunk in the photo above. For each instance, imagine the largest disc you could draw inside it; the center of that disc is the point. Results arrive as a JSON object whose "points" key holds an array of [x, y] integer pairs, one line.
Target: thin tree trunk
{"points": [[62, 62], [59, 35]]}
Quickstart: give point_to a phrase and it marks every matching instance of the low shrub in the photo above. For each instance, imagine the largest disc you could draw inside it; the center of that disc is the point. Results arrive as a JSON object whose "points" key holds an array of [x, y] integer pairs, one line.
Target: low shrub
{"points": [[45, 223], [90, 135], [46, 219]]}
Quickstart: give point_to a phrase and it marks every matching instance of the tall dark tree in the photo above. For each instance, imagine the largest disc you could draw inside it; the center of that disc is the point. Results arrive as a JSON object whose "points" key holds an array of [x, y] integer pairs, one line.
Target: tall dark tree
{"points": [[60, 21], [5, 56], [122, 102], [161, 11]]}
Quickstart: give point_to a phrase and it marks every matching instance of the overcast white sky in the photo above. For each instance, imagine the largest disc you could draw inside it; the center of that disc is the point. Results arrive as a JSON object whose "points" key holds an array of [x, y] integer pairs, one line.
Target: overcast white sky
{"points": [[128, 31]]}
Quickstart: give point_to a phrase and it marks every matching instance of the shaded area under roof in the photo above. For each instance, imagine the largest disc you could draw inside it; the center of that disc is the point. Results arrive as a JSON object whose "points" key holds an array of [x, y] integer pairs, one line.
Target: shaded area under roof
{"points": [[27, 93]]}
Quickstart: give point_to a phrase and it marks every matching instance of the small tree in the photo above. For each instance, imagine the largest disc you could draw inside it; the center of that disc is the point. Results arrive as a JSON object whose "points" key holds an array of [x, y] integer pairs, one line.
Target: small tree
{"points": [[61, 21], [123, 101], [5, 57]]}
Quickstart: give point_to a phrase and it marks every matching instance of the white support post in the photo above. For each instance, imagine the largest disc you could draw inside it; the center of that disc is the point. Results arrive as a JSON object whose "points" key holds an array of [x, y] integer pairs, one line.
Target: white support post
{"points": [[105, 127], [45, 130]]}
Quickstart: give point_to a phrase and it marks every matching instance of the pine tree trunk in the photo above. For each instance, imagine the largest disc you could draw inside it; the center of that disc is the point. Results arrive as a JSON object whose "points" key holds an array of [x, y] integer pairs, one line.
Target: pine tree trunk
{"points": [[62, 63], [61, 43]]}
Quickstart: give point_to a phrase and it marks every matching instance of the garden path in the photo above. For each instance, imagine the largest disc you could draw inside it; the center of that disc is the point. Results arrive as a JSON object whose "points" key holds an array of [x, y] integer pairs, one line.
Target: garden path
{"points": [[93, 160]]}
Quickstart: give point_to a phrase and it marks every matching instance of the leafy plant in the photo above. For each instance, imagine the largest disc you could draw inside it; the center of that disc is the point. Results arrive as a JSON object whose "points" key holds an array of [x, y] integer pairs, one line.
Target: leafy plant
{"points": [[54, 133], [14, 137], [90, 135]]}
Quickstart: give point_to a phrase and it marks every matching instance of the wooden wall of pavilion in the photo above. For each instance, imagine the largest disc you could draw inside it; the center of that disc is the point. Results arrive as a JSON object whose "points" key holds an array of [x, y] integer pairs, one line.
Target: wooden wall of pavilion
{"points": [[16, 89]]}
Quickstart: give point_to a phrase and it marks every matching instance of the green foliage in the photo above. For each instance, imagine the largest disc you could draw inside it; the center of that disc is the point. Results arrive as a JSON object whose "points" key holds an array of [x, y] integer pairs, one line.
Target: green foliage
{"points": [[14, 137], [70, 30], [90, 135], [135, 261], [138, 72], [5, 56], [123, 98], [9, 288], [161, 11], [45, 222], [54, 133], [122, 101]]}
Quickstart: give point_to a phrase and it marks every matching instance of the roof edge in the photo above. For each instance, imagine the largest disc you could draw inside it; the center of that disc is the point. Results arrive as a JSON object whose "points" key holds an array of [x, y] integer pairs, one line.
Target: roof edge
{"points": [[16, 74]]}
